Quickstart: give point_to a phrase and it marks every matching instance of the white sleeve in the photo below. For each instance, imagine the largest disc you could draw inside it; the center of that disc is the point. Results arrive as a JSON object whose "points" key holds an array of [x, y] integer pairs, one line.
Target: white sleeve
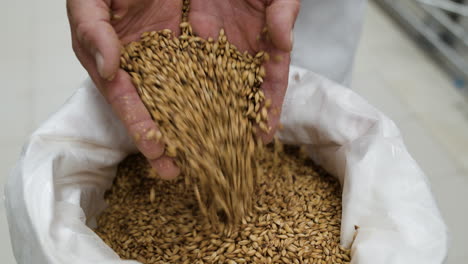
{"points": [[326, 36]]}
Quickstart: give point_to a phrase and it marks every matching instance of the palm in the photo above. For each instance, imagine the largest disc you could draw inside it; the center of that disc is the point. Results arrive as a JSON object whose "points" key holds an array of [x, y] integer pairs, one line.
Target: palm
{"points": [[97, 36], [243, 22], [148, 15]]}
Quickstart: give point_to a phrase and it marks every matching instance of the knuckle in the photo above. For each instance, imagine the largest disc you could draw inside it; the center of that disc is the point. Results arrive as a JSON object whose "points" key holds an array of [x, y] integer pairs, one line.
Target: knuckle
{"points": [[83, 31], [143, 128], [147, 138], [124, 93], [76, 47], [123, 96]]}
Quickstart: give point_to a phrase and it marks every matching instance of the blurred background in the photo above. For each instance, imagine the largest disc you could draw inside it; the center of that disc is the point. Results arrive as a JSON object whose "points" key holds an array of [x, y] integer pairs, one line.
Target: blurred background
{"points": [[412, 64]]}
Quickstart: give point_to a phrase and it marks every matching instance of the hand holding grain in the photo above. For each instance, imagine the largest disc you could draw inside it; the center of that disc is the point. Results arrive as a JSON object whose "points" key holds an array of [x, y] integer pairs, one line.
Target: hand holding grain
{"points": [[244, 22], [99, 28]]}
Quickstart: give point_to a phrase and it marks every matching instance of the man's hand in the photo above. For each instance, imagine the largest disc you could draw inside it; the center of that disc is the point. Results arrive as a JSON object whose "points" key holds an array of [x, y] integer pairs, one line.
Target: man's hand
{"points": [[243, 21], [99, 28]]}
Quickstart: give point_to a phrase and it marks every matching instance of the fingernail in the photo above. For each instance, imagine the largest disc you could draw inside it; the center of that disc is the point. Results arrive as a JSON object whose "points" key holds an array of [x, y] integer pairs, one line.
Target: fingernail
{"points": [[100, 64]]}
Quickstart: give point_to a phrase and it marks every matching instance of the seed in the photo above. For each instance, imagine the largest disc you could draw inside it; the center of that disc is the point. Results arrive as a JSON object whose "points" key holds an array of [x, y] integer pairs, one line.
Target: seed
{"points": [[264, 113], [236, 200], [136, 137], [171, 151], [201, 73], [152, 195], [150, 134], [277, 58], [292, 240], [158, 136], [268, 103]]}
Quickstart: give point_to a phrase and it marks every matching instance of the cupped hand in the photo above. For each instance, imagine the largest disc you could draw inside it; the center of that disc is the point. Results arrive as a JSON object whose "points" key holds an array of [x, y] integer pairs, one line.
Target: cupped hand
{"points": [[98, 29], [243, 22]]}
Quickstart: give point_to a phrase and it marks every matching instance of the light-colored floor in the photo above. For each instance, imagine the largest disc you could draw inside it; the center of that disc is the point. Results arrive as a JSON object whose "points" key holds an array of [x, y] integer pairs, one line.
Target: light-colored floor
{"points": [[38, 72]]}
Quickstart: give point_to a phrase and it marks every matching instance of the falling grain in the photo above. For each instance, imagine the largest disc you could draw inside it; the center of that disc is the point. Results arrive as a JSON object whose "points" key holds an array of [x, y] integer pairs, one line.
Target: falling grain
{"points": [[236, 201], [169, 226]]}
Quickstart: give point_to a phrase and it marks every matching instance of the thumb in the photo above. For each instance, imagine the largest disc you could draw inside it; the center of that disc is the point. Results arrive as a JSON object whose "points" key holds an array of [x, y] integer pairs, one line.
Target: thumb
{"points": [[100, 41], [280, 18], [90, 22]]}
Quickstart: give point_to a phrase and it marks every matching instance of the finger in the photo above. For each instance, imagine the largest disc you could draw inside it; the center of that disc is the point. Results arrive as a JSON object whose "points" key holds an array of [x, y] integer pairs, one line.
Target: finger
{"points": [[88, 62], [147, 138], [120, 8], [205, 18], [90, 22], [274, 87], [165, 167], [280, 18], [128, 106]]}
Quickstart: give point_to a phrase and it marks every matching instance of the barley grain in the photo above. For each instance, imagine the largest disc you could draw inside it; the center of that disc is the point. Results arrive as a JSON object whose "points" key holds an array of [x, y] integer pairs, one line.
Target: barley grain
{"points": [[278, 229], [235, 202]]}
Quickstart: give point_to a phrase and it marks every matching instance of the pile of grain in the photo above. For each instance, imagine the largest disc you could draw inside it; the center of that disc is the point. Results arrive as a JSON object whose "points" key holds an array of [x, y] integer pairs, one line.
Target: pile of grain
{"points": [[275, 206], [206, 99], [296, 218]]}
